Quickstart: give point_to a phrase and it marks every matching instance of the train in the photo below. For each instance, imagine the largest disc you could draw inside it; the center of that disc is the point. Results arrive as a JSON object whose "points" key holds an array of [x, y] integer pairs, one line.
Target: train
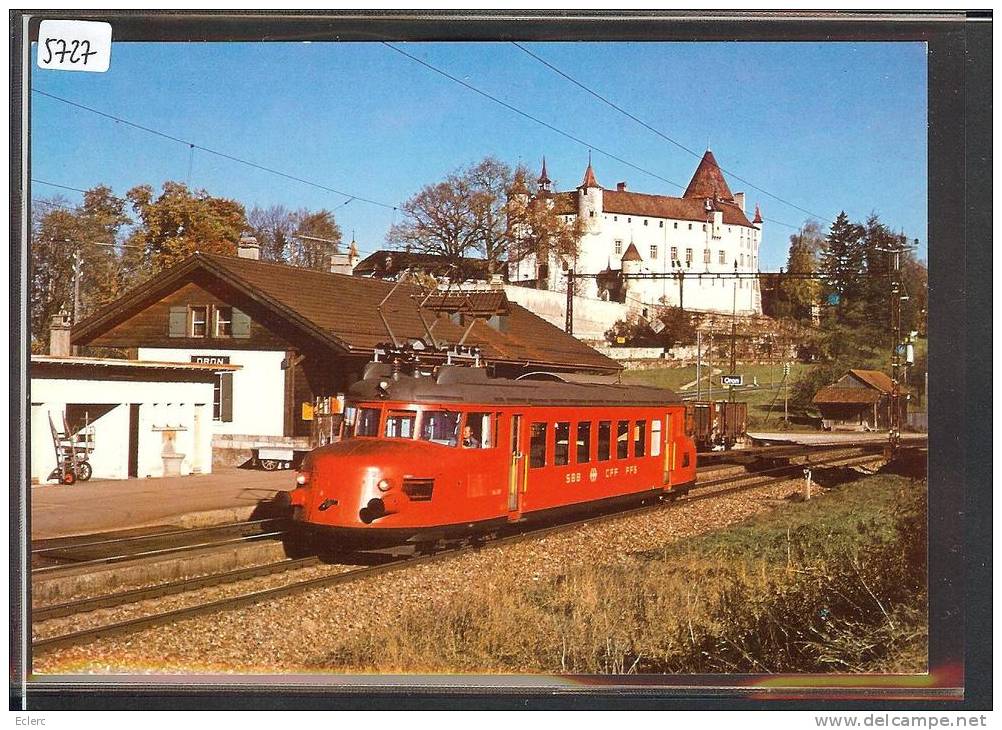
{"points": [[717, 425], [432, 454]]}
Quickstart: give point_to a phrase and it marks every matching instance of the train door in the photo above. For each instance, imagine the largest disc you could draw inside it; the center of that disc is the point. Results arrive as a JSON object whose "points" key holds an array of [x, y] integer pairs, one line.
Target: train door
{"points": [[516, 466], [669, 450]]}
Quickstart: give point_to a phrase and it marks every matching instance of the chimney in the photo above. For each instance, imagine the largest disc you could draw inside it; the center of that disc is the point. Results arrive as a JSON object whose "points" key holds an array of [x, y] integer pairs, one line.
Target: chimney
{"points": [[739, 198], [621, 186], [248, 247], [59, 334]]}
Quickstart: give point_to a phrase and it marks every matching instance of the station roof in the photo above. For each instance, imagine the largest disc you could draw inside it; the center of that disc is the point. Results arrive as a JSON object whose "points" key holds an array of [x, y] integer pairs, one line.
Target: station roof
{"points": [[347, 313]]}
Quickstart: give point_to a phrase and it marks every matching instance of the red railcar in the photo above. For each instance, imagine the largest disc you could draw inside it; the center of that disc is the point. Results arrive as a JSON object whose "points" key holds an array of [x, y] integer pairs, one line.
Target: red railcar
{"points": [[429, 456]]}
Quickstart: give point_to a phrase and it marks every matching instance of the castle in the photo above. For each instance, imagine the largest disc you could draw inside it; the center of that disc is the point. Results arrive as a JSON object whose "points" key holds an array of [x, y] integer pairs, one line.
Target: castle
{"points": [[704, 231]]}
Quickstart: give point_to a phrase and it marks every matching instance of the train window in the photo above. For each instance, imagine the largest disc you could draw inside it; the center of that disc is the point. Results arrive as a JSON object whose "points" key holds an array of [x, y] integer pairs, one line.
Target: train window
{"points": [[656, 437], [537, 445], [477, 433], [400, 425], [604, 440], [440, 427], [562, 444], [640, 438], [584, 442], [623, 440], [367, 422]]}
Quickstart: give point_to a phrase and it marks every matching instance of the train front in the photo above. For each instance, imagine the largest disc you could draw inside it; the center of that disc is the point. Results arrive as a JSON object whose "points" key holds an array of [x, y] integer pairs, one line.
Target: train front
{"points": [[402, 470]]}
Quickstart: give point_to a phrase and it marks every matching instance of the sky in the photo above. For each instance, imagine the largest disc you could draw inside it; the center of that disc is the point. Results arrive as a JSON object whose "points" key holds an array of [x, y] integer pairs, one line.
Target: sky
{"points": [[823, 126]]}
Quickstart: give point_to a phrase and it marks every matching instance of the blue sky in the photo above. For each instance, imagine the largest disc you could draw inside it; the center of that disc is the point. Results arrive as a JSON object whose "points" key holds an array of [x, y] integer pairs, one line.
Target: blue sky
{"points": [[827, 126]]}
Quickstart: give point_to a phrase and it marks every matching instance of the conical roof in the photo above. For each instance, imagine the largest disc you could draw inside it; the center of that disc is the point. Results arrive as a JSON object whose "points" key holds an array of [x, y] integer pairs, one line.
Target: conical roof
{"points": [[708, 181], [758, 215], [631, 254], [590, 181]]}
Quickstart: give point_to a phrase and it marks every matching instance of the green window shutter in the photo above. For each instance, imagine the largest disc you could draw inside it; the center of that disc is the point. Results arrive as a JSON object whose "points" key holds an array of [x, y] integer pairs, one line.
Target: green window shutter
{"points": [[226, 397], [241, 324], [177, 322]]}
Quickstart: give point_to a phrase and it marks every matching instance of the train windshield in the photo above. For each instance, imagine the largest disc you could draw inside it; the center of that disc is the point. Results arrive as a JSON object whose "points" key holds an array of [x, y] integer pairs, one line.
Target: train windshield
{"points": [[440, 427], [367, 422], [400, 425]]}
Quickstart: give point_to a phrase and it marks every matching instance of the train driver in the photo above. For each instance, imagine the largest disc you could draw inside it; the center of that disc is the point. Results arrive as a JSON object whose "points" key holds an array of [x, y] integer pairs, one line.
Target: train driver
{"points": [[469, 440]]}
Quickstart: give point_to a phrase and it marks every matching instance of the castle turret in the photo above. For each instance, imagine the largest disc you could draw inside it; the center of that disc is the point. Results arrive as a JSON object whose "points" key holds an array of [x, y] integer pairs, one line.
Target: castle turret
{"points": [[590, 200], [631, 263], [544, 179]]}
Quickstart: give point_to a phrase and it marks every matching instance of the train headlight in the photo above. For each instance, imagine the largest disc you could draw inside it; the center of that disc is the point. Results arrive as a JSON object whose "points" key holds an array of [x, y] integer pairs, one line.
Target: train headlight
{"points": [[302, 479], [383, 485]]}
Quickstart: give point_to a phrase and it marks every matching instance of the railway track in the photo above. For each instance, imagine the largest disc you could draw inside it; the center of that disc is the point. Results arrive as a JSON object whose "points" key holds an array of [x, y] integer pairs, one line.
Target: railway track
{"points": [[704, 490], [60, 555]]}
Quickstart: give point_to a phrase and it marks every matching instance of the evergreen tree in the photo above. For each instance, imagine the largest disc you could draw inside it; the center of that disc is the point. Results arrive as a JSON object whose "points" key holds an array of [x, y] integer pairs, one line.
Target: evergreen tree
{"points": [[842, 259]]}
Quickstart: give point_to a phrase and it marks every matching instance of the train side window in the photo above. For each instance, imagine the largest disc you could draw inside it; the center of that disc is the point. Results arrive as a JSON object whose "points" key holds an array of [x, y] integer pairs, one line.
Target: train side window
{"points": [[623, 440], [604, 440], [400, 425], [537, 445], [562, 444], [584, 442], [480, 434], [656, 437], [440, 427], [367, 422], [640, 438]]}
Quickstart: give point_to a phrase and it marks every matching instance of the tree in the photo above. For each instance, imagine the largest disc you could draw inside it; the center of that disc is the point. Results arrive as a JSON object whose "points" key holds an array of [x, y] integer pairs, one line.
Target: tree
{"points": [[317, 237], [180, 222], [842, 258], [805, 247], [273, 227], [444, 218], [535, 232], [489, 209], [60, 233], [677, 327]]}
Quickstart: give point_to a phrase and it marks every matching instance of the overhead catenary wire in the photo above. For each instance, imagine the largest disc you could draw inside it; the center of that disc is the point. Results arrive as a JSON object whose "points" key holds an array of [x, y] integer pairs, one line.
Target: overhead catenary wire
{"points": [[551, 127], [193, 146], [664, 136]]}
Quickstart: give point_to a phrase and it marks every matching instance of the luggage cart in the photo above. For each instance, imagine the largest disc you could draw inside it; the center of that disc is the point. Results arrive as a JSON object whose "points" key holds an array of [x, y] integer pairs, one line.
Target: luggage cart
{"points": [[73, 450]]}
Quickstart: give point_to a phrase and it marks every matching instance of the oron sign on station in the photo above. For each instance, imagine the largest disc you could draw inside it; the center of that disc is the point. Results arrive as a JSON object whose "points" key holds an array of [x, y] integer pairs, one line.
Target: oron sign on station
{"points": [[731, 379]]}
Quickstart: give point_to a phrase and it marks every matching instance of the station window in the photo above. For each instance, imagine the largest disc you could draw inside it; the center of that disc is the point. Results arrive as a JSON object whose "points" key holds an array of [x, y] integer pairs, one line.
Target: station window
{"points": [[562, 444], [440, 427], [640, 438], [584, 442], [367, 422], [656, 437], [690, 226], [400, 425], [623, 440], [537, 445], [674, 254], [645, 221], [478, 432], [198, 320], [661, 224], [675, 225], [604, 440], [224, 321]]}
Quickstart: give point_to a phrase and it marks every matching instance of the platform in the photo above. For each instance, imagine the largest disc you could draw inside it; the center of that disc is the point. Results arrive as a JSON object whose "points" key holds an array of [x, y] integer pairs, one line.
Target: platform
{"points": [[226, 495], [810, 438]]}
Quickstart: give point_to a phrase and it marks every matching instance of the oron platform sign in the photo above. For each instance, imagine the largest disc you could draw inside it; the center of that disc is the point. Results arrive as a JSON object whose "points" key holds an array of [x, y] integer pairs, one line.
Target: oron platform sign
{"points": [[731, 379]]}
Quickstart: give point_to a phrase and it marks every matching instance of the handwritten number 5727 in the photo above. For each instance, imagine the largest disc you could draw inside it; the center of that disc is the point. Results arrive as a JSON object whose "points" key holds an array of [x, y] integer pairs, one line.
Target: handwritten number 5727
{"points": [[78, 51]]}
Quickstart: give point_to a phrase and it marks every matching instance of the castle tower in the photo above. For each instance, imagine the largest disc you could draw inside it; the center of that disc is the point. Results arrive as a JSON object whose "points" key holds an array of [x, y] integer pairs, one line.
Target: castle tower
{"points": [[590, 201], [632, 262], [544, 179]]}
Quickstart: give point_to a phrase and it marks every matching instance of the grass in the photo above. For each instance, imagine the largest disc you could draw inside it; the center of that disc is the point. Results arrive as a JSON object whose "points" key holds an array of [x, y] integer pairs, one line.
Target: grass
{"points": [[836, 584], [769, 391]]}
